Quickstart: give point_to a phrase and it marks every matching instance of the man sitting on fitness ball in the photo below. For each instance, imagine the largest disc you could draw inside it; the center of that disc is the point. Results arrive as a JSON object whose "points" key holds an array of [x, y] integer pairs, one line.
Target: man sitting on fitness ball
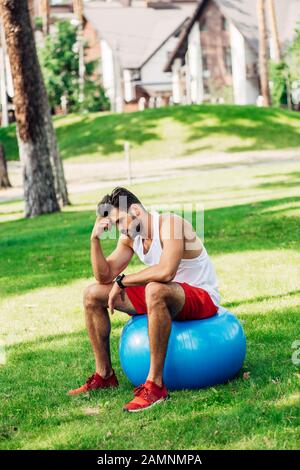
{"points": [[178, 284]]}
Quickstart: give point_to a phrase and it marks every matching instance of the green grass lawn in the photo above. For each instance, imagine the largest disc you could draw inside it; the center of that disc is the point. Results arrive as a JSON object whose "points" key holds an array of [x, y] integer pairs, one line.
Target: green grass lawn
{"points": [[170, 132], [252, 222]]}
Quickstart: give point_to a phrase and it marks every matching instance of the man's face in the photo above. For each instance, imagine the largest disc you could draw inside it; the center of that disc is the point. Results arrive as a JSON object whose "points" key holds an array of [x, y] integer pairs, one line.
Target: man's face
{"points": [[127, 222]]}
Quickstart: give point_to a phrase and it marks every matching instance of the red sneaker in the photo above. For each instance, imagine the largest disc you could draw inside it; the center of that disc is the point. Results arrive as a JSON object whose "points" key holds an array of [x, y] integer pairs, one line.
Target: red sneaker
{"points": [[95, 382], [146, 396]]}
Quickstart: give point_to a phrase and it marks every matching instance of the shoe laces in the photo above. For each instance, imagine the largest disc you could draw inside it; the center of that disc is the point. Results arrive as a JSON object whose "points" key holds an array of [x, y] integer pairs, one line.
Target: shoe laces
{"points": [[143, 391], [138, 390], [91, 379]]}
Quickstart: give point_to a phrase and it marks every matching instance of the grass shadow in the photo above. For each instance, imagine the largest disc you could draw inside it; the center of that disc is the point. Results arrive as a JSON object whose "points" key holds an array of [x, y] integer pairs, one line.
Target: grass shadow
{"points": [[36, 413], [104, 134], [288, 180], [54, 249]]}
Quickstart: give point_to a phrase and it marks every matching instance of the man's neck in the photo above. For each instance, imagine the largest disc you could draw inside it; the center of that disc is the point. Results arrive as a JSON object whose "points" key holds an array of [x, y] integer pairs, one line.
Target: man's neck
{"points": [[147, 224]]}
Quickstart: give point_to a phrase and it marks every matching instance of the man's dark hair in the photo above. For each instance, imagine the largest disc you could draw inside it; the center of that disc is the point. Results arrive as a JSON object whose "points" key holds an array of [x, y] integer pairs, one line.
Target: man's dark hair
{"points": [[113, 200]]}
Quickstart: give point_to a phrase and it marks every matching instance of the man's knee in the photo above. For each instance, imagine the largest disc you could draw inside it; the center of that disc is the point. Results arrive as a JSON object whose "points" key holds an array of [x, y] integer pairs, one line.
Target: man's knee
{"points": [[94, 295], [155, 293]]}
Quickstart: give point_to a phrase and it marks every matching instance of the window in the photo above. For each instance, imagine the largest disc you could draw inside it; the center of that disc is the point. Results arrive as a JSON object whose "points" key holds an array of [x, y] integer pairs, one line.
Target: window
{"points": [[206, 88], [205, 66], [225, 24], [227, 60], [252, 70], [203, 25], [135, 75]]}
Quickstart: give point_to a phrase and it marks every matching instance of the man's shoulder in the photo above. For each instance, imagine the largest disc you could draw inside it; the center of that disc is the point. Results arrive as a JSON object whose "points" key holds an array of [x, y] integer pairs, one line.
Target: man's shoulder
{"points": [[168, 219], [167, 216], [171, 226]]}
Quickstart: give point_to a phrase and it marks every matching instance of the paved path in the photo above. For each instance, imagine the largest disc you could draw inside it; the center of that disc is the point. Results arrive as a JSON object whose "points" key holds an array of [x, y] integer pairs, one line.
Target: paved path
{"points": [[82, 177]]}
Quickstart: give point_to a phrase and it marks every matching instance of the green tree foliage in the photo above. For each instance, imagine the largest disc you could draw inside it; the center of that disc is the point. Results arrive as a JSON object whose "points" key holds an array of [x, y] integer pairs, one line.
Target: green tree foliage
{"points": [[279, 76], [293, 56], [60, 64], [286, 72]]}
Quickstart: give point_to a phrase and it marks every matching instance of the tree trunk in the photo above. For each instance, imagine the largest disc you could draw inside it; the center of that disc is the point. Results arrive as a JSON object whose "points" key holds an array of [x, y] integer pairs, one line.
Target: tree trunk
{"points": [[31, 108], [56, 163], [3, 82], [4, 180], [31, 12], [274, 30], [78, 10], [263, 52], [57, 166], [45, 14]]}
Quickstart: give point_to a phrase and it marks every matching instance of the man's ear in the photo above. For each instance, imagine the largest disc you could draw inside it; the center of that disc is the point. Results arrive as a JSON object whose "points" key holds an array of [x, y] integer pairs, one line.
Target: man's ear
{"points": [[135, 210]]}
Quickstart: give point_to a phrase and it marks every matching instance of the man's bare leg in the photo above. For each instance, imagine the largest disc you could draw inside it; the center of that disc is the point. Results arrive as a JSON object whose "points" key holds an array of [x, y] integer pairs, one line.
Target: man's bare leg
{"points": [[98, 324], [164, 302]]}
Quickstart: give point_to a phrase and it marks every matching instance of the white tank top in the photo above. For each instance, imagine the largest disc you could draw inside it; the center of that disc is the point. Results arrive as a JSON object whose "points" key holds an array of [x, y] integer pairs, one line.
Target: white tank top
{"points": [[198, 272]]}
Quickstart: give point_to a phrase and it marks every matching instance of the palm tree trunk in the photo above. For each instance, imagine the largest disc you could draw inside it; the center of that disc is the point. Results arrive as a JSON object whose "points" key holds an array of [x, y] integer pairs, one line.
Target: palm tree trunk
{"points": [[3, 81], [31, 12], [4, 180], [57, 166], [45, 14], [56, 163], [31, 108], [78, 10], [263, 52], [274, 30]]}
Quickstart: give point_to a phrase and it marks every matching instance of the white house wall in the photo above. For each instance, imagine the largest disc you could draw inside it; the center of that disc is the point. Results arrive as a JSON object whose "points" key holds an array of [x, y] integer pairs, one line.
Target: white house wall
{"points": [[238, 57], [111, 76], [107, 63], [152, 76], [245, 89], [176, 81], [194, 59], [252, 84], [129, 94]]}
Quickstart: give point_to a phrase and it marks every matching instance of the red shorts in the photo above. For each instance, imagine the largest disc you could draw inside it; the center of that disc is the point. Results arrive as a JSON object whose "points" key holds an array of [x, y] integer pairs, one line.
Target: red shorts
{"points": [[198, 303]]}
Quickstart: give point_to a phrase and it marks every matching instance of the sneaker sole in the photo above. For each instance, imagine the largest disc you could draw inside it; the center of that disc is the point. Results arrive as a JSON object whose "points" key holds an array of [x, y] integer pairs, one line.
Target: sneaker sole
{"points": [[68, 394], [148, 407]]}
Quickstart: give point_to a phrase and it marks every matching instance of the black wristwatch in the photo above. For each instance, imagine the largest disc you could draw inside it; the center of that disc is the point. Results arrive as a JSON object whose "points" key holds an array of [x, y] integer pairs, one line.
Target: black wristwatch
{"points": [[119, 279]]}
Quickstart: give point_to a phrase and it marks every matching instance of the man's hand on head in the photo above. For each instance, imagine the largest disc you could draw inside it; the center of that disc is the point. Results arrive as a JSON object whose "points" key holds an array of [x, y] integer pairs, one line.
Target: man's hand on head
{"points": [[102, 224]]}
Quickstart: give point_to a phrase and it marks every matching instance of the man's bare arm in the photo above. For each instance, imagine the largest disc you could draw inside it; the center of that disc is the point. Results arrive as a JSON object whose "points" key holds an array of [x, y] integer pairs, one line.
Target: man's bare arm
{"points": [[106, 269], [173, 247], [119, 259]]}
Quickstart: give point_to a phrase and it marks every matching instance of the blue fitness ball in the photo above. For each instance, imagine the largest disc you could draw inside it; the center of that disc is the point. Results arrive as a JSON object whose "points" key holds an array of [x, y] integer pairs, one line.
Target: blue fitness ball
{"points": [[201, 353]]}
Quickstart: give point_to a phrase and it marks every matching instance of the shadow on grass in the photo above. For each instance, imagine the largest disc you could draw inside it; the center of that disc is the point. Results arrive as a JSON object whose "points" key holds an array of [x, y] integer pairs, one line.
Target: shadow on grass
{"points": [[244, 122], [251, 227], [291, 180], [105, 134], [37, 413], [255, 300], [53, 249]]}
